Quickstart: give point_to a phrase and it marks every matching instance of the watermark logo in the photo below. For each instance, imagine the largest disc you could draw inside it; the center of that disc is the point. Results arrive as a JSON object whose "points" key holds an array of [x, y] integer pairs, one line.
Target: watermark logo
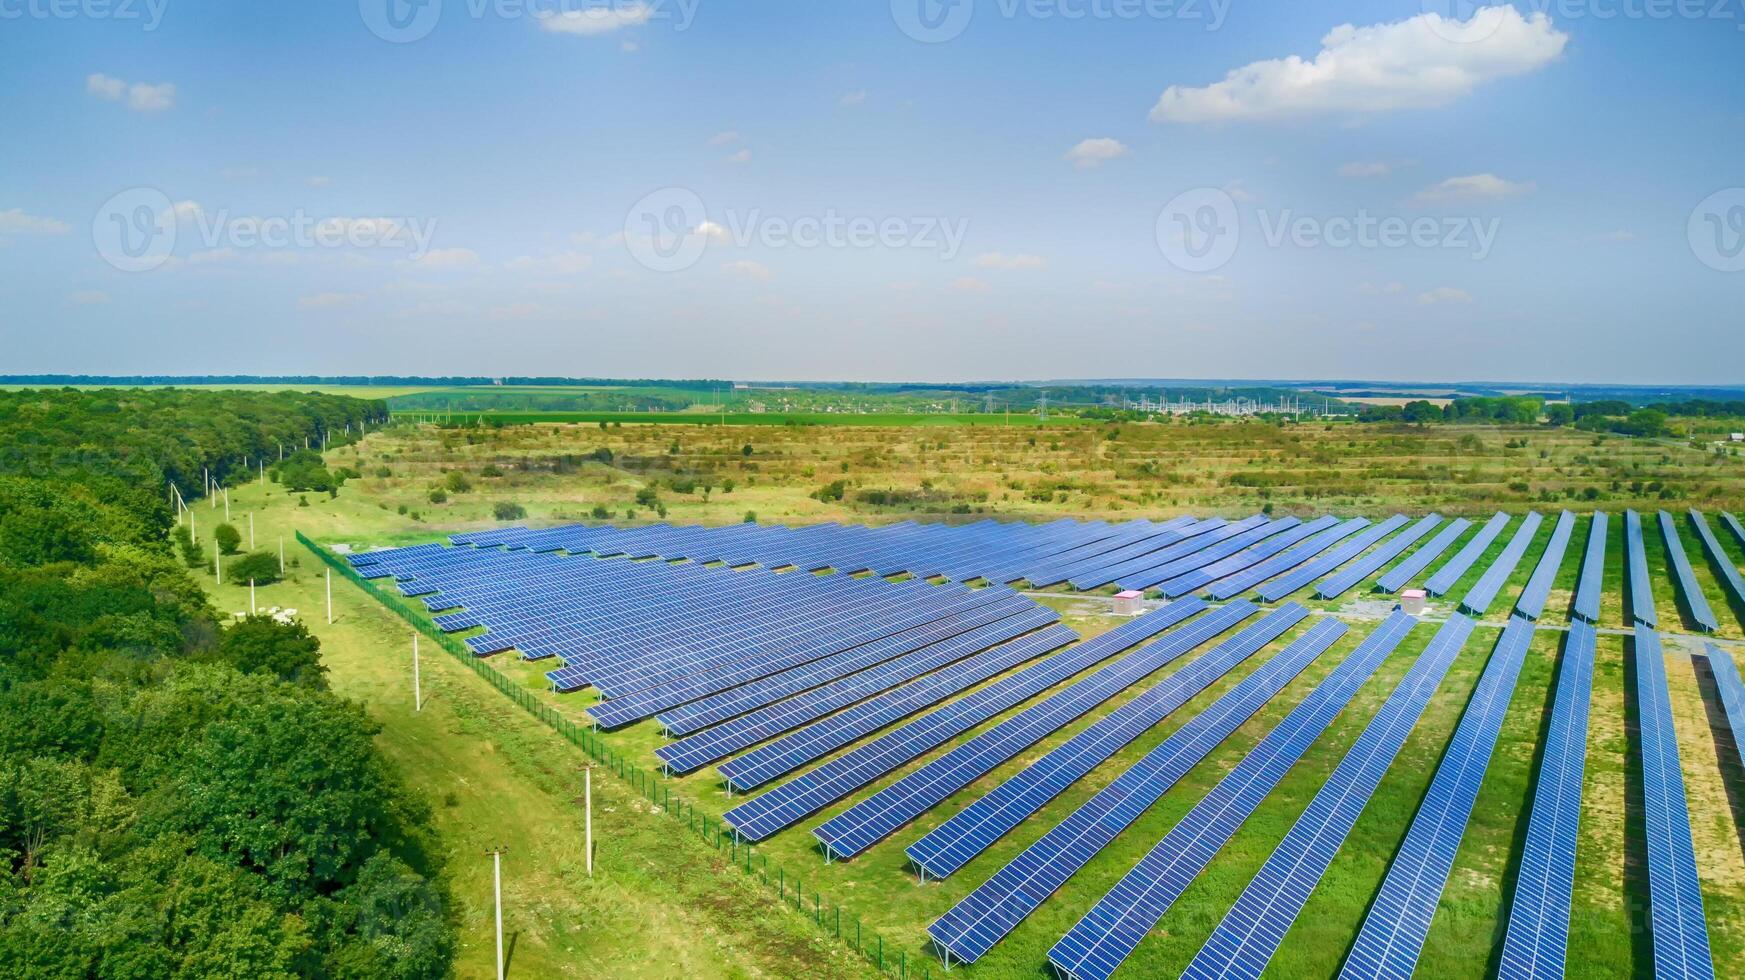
{"points": [[135, 231], [149, 13], [1474, 21], [400, 21], [1199, 230], [670, 229], [1717, 230], [932, 21]]}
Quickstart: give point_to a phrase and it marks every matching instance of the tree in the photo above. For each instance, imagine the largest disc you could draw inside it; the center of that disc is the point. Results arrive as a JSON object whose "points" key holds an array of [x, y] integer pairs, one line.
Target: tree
{"points": [[647, 496], [506, 511], [263, 645], [1559, 415], [1420, 412], [457, 482], [260, 567], [304, 470], [227, 538]]}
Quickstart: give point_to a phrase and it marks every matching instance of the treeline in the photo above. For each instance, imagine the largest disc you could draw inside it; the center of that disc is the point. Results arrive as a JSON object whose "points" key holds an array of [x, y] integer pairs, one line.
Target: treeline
{"points": [[1602, 416], [375, 380], [179, 798]]}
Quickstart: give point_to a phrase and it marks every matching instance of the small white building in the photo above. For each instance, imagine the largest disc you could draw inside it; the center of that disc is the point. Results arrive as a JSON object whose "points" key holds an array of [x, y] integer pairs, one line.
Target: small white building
{"points": [[1737, 437], [1412, 601], [1129, 603]]}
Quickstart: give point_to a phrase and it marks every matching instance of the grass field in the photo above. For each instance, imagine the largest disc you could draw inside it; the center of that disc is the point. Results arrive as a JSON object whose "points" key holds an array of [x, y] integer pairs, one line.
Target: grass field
{"points": [[498, 766]]}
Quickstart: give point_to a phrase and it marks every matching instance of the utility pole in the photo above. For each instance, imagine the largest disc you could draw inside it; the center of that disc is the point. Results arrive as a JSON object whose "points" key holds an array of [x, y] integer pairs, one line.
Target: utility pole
{"points": [[588, 814], [253, 607], [497, 888], [217, 565], [417, 682], [330, 597], [281, 556]]}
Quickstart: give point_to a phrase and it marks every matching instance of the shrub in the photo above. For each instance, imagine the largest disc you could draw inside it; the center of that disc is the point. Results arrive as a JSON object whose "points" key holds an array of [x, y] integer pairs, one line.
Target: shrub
{"points": [[508, 512], [261, 566], [491, 469], [228, 538], [600, 513], [457, 482], [438, 495]]}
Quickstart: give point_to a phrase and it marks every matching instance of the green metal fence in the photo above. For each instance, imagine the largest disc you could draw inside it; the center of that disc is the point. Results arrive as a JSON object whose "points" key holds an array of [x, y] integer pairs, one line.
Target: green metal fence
{"points": [[789, 889]]}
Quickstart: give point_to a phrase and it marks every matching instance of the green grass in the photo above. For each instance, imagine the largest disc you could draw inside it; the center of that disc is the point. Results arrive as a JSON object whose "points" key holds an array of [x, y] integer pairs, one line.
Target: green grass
{"points": [[704, 418]]}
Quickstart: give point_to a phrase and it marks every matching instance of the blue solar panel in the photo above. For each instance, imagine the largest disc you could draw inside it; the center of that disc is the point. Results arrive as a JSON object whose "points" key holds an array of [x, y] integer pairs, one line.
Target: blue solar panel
{"points": [[1719, 560], [1448, 575], [1399, 919], [1636, 556], [1337, 585], [1479, 598], [1732, 695], [1212, 554], [1593, 569], [1250, 933], [870, 820], [1675, 899], [1692, 593], [1094, 947], [1538, 935], [764, 815], [987, 914], [1734, 526], [1538, 590], [1199, 543], [975, 828], [1302, 575], [1400, 575], [1283, 562]]}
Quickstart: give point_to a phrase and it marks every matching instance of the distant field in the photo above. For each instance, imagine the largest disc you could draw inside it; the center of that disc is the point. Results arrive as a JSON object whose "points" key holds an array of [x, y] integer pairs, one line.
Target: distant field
{"points": [[355, 391], [701, 416]]}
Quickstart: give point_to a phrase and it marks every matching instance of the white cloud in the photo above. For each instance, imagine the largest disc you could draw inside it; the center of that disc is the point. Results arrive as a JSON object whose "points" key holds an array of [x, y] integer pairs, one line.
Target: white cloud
{"points": [[852, 99], [1092, 153], [747, 269], [1000, 260], [1477, 187], [16, 222], [151, 98], [724, 138], [448, 258], [970, 284], [743, 156], [327, 301], [89, 297], [591, 20], [1408, 64], [1444, 294], [712, 231], [104, 87], [1360, 170], [185, 210], [555, 264]]}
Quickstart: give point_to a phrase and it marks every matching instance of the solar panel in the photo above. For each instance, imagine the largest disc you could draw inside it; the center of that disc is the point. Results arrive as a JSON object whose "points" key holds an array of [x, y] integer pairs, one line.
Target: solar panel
{"points": [[1636, 554], [1732, 695], [973, 829], [1399, 919], [1337, 585], [1397, 578], [1092, 949], [1538, 934], [1538, 590], [1250, 933], [1675, 899], [1285, 561], [1479, 598], [1593, 568], [1734, 526], [1295, 579], [1199, 543], [987, 914], [1445, 578], [764, 815], [871, 819], [1688, 589], [1154, 576], [1719, 560]]}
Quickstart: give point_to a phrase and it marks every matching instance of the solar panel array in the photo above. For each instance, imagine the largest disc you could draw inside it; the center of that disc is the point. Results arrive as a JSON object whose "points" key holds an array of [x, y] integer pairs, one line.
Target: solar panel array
{"points": [[763, 815], [871, 819], [1337, 585], [1537, 941], [1449, 574], [1399, 919], [1688, 589], [1224, 543], [990, 912], [977, 826], [1593, 569], [1402, 574], [1675, 902], [1719, 560], [1636, 566], [1330, 561], [1192, 580], [1538, 590], [1098, 943], [1732, 692], [1249, 934], [1484, 592], [1284, 561]]}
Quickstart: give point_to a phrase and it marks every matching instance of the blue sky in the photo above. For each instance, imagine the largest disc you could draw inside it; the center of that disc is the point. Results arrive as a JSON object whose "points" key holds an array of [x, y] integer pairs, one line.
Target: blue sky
{"points": [[995, 189]]}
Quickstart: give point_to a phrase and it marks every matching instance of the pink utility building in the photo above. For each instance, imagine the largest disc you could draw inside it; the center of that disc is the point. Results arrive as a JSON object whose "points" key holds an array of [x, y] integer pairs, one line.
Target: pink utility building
{"points": [[1129, 603], [1412, 601]]}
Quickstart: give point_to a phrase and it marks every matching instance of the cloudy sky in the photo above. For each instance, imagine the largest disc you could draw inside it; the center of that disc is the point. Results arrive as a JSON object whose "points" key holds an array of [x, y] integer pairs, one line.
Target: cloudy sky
{"points": [[970, 189]]}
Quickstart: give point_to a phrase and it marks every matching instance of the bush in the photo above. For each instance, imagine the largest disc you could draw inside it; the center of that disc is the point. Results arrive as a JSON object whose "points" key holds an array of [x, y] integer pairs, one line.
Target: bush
{"points": [[647, 496], [228, 538], [262, 645], [190, 551], [600, 513], [438, 495], [751, 517], [830, 492], [491, 470], [457, 482], [509, 512], [261, 566]]}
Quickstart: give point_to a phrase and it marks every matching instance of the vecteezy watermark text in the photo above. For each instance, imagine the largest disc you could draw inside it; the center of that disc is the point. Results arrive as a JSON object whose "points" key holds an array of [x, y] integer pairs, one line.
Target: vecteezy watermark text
{"points": [[938, 21], [1200, 231], [405, 21], [1717, 230], [137, 231], [149, 13], [1472, 21], [670, 229]]}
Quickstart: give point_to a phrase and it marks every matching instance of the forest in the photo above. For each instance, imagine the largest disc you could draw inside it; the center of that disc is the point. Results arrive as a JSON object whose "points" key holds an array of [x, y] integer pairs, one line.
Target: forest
{"points": [[180, 797]]}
